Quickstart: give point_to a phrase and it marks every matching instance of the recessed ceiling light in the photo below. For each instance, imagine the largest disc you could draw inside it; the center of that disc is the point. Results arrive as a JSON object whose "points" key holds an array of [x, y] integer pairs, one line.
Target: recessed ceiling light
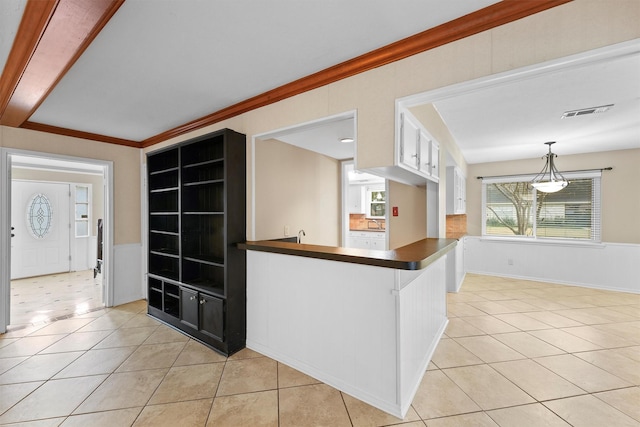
{"points": [[585, 111], [346, 140]]}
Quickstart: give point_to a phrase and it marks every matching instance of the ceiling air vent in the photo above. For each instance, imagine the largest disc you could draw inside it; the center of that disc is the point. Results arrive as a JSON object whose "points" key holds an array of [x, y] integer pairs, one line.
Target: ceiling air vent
{"points": [[585, 111]]}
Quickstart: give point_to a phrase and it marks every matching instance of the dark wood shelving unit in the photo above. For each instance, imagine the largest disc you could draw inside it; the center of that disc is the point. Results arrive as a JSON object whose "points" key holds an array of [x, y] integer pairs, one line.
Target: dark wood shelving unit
{"points": [[197, 216]]}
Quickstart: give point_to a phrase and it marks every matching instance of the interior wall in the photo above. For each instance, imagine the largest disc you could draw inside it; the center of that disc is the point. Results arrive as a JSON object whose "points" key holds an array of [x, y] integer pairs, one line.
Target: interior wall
{"points": [[411, 223], [567, 29], [571, 28], [97, 196], [126, 170], [620, 195], [299, 189]]}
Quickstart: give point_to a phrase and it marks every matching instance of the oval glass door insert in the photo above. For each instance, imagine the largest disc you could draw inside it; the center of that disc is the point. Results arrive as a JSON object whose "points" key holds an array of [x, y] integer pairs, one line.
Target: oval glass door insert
{"points": [[39, 216]]}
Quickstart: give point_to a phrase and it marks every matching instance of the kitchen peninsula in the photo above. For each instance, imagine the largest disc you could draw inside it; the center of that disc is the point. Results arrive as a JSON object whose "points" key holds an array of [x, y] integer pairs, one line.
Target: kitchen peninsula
{"points": [[363, 321]]}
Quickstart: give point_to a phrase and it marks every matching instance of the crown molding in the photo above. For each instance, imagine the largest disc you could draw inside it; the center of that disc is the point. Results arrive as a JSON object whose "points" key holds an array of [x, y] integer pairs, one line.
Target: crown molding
{"points": [[79, 134], [484, 19]]}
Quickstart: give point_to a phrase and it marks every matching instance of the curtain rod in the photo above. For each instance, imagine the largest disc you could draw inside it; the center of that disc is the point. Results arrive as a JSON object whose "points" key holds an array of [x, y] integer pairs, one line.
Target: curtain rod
{"points": [[529, 174]]}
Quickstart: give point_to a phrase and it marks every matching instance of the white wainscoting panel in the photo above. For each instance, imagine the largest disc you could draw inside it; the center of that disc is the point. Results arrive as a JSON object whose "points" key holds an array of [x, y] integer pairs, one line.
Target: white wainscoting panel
{"points": [[423, 319], [127, 270], [84, 253], [611, 266], [331, 320], [455, 267], [343, 323]]}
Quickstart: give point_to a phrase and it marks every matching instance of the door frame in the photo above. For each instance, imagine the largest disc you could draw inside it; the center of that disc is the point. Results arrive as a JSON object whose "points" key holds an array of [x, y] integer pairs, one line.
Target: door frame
{"points": [[5, 225], [276, 133]]}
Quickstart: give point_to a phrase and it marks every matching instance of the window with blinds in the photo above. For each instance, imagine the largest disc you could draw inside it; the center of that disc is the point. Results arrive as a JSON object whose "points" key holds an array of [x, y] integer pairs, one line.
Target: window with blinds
{"points": [[513, 207]]}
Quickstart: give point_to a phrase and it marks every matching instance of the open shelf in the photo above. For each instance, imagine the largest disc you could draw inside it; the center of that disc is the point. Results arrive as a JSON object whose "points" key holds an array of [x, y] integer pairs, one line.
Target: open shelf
{"points": [[164, 180], [164, 243], [203, 172], [163, 222], [164, 266], [202, 275], [207, 150], [165, 201], [205, 197], [155, 293], [203, 237], [163, 161]]}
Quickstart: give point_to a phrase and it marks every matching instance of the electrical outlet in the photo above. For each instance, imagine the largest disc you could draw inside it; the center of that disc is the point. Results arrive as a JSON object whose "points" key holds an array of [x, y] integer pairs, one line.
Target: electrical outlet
{"points": [[286, 230], [510, 261]]}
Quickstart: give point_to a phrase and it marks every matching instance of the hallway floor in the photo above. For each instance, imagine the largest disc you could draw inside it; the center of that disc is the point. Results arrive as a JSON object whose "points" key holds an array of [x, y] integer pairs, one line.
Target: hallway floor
{"points": [[35, 300], [515, 353]]}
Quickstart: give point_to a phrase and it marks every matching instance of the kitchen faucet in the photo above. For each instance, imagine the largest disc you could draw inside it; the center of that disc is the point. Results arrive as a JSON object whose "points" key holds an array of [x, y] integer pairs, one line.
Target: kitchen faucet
{"points": [[300, 238], [376, 223]]}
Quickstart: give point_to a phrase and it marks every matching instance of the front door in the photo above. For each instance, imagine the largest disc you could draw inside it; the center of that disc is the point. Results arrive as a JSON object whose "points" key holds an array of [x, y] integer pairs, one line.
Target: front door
{"points": [[41, 228]]}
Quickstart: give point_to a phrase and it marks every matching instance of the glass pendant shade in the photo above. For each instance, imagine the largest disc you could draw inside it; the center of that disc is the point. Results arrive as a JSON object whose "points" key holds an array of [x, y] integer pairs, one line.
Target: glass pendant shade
{"points": [[549, 180]]}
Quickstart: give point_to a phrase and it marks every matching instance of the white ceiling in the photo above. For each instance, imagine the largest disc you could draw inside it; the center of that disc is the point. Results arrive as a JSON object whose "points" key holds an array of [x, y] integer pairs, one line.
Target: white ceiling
{"points": [[159, 64], [323, 137], [513, 120]]}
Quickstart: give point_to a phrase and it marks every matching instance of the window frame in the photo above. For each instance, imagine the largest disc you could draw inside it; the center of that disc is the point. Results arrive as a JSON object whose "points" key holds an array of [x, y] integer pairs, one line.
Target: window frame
{"points": [[77, 220], [596, 209]]}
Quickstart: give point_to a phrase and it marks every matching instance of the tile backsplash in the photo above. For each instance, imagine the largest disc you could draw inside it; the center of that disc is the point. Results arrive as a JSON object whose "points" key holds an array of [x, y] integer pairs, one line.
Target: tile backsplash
{"points": [[361, 222], [456, 226]]}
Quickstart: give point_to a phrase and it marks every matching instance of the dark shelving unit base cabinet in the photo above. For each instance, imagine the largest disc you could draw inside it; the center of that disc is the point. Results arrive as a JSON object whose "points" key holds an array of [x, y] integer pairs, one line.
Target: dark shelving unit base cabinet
{"points": [[197, 216]]}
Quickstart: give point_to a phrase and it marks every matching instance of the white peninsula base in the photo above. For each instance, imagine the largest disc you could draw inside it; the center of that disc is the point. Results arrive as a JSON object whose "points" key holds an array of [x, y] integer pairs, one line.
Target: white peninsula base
{"points": [[368, 331]]}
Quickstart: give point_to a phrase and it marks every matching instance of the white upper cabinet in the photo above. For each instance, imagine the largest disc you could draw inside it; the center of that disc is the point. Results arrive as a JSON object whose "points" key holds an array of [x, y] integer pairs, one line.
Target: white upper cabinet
{"points": [[434, 148], [409, 143], [456, 191], [355, 199], [419, 151]]}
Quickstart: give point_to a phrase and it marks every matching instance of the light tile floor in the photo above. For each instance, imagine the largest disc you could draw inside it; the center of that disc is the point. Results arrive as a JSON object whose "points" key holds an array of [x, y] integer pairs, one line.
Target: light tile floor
{"points": [[35, 300], [515, 353]]}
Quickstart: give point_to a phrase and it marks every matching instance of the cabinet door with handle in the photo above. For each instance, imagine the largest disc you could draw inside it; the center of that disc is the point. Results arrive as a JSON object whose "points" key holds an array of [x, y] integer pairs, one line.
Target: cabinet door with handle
{"points": [[434, 158], [211, 316], [189, 307], [424, 154], [409, 143]]}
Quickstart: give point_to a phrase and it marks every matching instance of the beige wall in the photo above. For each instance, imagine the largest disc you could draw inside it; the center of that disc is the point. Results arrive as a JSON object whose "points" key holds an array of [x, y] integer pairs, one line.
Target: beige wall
{"points": [[574, 27], [411, 223], [299, 189], [571, 28], [97, 196], [620, 195], [126, 170]]}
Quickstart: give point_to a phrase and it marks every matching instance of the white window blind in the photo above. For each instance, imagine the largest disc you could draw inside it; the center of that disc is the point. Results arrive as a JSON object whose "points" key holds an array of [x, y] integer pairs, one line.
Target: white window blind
{"points": [[513, 207]]}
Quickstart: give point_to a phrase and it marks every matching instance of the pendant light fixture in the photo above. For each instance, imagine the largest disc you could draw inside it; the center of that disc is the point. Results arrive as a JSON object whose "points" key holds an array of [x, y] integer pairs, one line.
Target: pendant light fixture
{"points": [[549, 180]]}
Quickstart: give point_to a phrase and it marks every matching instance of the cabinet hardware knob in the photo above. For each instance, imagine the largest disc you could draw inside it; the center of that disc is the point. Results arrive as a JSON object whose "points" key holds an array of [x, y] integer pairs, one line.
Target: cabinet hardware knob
{"points": [[192, 298], [202, 301]]}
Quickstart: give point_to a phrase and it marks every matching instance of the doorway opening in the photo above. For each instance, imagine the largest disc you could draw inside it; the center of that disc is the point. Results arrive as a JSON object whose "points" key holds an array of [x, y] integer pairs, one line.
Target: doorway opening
{"points": [[59, 211]]}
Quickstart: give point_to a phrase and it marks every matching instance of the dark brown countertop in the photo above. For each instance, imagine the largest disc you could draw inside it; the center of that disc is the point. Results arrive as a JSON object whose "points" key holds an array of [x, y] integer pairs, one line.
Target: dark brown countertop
{"points": [[414, 256]]}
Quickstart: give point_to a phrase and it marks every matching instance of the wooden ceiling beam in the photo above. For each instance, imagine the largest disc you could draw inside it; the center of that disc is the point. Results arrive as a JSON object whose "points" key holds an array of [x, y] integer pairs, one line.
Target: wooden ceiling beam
{"points": [[51, 37], [484, 19]]}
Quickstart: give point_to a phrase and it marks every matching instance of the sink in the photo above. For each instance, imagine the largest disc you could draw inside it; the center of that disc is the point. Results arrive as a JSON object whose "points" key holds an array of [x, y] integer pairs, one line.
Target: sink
{"points": [[372, 225]]}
